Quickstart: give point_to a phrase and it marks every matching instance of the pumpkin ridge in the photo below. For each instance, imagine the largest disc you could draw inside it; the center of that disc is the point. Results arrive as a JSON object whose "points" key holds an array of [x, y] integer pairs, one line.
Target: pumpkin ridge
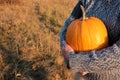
{"points": [[77, 29], [94, 28], [80, 30], [89, 32]]}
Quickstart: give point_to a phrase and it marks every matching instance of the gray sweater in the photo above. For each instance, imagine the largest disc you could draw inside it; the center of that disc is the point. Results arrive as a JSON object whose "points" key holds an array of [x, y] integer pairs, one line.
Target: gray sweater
{"points": [[103, 64]]}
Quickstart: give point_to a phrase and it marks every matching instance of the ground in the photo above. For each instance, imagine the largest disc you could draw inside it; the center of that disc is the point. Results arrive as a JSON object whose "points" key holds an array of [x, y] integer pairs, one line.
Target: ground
{"points": [[29, 39]]}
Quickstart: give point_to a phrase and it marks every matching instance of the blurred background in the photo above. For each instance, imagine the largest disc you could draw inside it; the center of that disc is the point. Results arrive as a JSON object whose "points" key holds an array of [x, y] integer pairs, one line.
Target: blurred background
{"points": [[29, 39]]}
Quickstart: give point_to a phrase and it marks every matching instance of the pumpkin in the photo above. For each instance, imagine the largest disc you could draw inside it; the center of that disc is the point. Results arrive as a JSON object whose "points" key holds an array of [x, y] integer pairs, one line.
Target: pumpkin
{"points": [[87, 34]]}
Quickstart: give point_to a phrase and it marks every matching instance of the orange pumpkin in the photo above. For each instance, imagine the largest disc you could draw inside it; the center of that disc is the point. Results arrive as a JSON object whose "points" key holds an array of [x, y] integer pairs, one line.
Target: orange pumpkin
{"points": [[87, 34]]}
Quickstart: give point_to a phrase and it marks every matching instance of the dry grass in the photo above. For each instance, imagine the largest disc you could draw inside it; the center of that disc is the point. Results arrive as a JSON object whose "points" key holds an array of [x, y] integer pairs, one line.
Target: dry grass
{"points": [[29, 39], [10, 2]]}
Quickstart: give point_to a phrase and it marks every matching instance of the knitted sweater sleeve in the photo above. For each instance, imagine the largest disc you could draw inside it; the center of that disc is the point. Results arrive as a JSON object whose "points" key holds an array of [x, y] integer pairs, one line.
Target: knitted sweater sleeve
{"points": [[94, 61], [76, 13], [97, 61]]}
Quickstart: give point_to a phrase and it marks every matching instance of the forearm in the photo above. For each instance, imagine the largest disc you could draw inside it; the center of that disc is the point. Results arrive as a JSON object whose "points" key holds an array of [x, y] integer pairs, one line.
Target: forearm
{"points": [[76, 13], [62, 36], [96, 61]]}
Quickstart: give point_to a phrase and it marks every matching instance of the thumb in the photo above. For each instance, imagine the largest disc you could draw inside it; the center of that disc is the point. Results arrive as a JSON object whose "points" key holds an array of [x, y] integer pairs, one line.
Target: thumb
{"points": [[64, 42]]}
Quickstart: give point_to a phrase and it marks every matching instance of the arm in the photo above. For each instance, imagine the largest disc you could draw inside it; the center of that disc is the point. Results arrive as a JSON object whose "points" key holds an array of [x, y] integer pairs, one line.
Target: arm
{"points": [[96, 61], [76, 13]]}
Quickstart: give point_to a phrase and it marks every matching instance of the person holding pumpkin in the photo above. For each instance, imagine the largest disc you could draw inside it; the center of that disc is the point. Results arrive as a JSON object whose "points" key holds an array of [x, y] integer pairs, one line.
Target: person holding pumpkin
{"points": [[101, 64]]}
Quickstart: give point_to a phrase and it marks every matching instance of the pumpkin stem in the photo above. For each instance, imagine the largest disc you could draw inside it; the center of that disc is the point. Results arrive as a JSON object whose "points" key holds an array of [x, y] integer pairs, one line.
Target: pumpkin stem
{"points": [[83, 11]]}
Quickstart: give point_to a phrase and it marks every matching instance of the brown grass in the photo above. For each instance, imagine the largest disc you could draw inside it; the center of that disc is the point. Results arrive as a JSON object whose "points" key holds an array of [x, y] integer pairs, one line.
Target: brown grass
{"points": [[29, 39], [10, 2]]}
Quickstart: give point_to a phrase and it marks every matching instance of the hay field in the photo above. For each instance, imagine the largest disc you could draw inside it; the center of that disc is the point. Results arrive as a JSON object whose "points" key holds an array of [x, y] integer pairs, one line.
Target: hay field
{"points": [[29, 39]]}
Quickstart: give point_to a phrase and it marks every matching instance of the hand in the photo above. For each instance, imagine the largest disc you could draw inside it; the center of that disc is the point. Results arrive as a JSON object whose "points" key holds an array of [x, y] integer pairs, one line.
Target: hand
{"points": [[83, 73], [66, 49]]}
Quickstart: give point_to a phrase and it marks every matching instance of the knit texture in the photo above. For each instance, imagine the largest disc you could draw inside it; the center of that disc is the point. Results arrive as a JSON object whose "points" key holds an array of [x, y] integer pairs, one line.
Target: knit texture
{"points": [[103, 64]]}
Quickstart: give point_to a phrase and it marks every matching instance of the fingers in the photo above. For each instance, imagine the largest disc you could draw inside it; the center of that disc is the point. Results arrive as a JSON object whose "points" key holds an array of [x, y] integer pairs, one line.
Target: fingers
{"points": [[83, 73], [66, 47], [64, 44], [65, 55], [65, 50]]}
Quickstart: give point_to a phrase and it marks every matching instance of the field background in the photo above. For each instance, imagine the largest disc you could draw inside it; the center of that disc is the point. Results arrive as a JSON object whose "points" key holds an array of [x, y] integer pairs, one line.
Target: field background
{"points": [[29, 39]]}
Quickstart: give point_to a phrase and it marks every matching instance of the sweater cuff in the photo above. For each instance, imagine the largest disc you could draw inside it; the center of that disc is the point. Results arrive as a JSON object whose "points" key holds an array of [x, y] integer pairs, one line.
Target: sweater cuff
{"points": [[67, 61], [78, 62]]}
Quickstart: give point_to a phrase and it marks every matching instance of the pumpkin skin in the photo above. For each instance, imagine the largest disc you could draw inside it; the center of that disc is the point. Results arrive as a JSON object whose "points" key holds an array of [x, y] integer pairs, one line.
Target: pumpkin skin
{"points": [[87, 34]]}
